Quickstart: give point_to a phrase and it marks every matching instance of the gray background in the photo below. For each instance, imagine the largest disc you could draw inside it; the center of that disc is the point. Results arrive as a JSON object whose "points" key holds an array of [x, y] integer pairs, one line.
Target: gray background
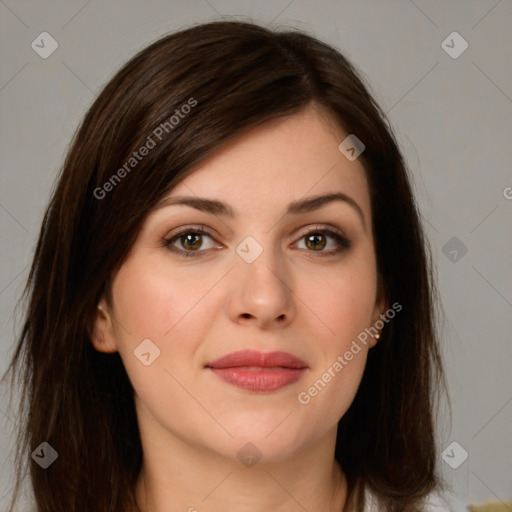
{"points": [[452, 117]]}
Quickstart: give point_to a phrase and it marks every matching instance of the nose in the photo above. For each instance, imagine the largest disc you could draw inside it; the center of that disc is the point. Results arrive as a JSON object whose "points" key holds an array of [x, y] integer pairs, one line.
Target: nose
{"points": [[261, 293]]}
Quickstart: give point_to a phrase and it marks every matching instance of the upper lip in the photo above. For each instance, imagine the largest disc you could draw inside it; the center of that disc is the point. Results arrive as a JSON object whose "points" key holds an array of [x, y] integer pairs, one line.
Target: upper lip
{"points": [[259, 359]]}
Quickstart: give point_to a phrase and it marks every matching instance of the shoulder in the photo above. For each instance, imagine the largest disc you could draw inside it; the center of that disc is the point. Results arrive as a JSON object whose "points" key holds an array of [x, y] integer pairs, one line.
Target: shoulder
{"points": [[434, 502], [437, 502]]}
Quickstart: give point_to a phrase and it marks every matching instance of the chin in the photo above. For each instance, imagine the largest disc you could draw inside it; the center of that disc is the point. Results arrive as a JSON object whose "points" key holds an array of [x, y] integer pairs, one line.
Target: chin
{"points": [[268, 438]]}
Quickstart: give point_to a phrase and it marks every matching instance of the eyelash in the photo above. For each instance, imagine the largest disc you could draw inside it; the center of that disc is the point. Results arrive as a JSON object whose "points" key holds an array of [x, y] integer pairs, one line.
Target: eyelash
{"points": [[342, 242]]}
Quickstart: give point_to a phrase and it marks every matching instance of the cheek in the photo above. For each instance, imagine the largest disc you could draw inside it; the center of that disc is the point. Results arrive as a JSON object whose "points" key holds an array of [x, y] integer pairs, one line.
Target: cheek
{"points": [[335, 378], [146, 307], [342, 300], [331, 392], [154, 302], [344, 305]]}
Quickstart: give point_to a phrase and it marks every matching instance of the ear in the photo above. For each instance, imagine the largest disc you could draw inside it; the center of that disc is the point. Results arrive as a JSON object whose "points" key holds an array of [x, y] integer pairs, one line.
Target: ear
{"points": [[102, 335], [380, 308]]}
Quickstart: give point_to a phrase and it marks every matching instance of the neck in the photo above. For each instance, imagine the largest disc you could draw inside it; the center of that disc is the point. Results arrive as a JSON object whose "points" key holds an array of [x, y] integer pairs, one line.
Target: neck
{"points": [[177, 476], [263, 490]]}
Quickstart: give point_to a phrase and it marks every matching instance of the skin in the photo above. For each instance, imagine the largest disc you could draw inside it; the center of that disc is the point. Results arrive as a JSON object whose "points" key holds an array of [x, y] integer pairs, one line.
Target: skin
{"points": [[291, 298]]}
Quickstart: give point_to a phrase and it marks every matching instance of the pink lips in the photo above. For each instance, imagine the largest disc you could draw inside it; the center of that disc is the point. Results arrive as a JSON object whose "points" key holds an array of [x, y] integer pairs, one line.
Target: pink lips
{"points": [[257, 371]]}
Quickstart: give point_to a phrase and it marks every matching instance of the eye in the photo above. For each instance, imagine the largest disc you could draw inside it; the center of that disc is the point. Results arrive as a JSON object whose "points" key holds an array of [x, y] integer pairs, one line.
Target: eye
{"points": [[320, 239], [189, 242]]}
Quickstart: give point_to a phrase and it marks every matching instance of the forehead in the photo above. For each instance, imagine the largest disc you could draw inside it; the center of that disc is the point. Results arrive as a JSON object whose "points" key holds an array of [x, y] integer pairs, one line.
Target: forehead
{"points": [[277, 163]]}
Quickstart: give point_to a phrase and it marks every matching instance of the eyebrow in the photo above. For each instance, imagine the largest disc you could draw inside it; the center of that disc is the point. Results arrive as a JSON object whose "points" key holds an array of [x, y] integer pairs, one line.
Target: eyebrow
{"points": [[304, 205]]}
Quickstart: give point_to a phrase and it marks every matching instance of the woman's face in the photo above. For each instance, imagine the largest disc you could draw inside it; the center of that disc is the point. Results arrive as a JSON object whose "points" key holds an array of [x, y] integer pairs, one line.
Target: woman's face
{"points": [[239, 258]]}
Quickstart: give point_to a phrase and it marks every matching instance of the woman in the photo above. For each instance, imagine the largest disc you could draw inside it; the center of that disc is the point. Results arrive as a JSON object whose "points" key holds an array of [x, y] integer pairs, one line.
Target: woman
{"points": [[230, 303]]}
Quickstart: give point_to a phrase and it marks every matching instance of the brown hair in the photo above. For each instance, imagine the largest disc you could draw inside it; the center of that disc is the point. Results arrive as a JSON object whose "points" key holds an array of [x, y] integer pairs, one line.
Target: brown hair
{"points": [[234, 76]]}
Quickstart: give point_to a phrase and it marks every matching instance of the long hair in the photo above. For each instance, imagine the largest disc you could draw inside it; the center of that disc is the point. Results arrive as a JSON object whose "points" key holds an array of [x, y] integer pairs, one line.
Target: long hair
{"points": [[232, 76]]}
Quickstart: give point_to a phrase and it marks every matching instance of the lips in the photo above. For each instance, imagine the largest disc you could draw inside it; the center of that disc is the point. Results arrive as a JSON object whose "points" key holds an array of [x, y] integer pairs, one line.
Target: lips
{"points": [[257, 371]]}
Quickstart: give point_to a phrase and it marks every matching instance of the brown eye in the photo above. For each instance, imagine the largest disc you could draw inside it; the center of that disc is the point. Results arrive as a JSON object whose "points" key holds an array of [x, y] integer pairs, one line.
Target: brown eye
{"points": [[325, 242], [316, 242], [190, 242]]}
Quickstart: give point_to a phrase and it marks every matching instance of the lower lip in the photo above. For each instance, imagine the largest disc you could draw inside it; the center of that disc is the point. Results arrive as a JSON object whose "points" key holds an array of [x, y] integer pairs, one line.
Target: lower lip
{"points": [[263, 380]]}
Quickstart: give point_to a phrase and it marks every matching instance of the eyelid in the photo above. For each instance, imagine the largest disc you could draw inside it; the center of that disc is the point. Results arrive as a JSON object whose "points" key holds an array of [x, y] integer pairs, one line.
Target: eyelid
{"points": [[322, 227], [196, 228]]}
